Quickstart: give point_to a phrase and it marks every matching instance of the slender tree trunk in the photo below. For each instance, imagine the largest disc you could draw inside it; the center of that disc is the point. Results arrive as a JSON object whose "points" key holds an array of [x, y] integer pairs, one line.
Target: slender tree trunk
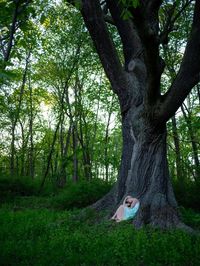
{"points": [[12, 156], [75, 159], [50, 155], [93, 137], [7, 51], [16, 115], [17, 165], [198, 92], [61, 137], [61, 177], [31, 151], [179, 173], [85, 147], [55, 165], [63, 174], [107, 141], [23, 149], [193, 142]]}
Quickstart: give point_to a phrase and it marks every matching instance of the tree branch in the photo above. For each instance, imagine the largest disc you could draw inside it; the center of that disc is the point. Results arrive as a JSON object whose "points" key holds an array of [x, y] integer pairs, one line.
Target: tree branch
{"points": [[12, 31], [188, 75], [93, 17], [2, 48], [169, 26], [129, 36], [146, 19], [18, 9]]}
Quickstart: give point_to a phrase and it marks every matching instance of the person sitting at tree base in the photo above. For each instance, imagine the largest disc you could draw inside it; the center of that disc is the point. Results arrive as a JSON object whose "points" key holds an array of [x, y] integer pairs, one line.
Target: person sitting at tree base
{"points": [[127, 210]]}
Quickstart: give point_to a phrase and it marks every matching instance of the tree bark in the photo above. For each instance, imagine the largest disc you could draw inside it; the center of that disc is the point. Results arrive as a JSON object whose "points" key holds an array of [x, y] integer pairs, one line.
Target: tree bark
{"points": [[198, 92], [106, 159], [63, 174], [12, 156], [75, 158], [50, 154], [179, 173], [31, 151], [85, 146], [12, 32]]}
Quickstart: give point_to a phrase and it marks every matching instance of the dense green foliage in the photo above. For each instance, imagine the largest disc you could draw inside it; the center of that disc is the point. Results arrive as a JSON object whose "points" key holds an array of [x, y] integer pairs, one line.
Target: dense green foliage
{"points": [[75, 195], [188, 195]]}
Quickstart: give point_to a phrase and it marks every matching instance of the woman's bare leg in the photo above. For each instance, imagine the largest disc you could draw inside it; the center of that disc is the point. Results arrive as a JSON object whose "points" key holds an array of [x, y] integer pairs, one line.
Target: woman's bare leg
{"points": [[119, 214]]}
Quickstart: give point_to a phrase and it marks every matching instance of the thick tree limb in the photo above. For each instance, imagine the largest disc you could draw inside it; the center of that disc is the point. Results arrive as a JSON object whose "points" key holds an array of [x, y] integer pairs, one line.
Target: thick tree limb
{"points": [[129, 36], [189, 72], [94, 20], [148, 25], [12, 31], [7, 45], [93, 17]]}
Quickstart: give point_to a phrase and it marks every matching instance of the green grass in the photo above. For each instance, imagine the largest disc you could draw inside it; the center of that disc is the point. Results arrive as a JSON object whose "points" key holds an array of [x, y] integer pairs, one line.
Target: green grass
{"points": [[52, 229], [43, 236]]}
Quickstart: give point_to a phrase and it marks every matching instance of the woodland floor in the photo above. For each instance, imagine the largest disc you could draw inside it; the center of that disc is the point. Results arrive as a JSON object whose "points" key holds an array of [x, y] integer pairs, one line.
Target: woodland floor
{"points": [[33, 231]]}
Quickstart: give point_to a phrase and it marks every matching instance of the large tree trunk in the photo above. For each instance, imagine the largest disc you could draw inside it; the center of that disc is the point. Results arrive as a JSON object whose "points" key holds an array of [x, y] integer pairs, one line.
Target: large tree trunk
{"points": [[148, 178], [144, 172]]}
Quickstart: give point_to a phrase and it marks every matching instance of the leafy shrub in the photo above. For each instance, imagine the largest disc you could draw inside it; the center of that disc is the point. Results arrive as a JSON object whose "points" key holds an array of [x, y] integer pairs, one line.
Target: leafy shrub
{"points": [[81, 194], [23, 192], [188, 194], [190, 217], [11, 187]]}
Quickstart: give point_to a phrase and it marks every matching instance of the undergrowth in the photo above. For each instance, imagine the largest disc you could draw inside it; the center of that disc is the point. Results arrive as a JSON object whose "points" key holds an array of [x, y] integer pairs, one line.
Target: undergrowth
{"points": [[52, 229], [47, 237]]}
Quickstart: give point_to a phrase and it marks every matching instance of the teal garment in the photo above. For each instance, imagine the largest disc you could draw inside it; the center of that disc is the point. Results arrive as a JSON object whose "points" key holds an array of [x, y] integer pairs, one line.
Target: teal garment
{"points": [[130, 212]]}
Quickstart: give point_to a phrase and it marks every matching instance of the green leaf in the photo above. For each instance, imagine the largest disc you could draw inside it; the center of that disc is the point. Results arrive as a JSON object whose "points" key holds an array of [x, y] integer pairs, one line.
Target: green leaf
{"points": [[126, 14], [78, 4]]}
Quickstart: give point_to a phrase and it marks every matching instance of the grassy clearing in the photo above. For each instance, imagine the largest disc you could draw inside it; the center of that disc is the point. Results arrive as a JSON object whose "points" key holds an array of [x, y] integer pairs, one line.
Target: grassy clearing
{"points": [[49, 237], [49, 230]]}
